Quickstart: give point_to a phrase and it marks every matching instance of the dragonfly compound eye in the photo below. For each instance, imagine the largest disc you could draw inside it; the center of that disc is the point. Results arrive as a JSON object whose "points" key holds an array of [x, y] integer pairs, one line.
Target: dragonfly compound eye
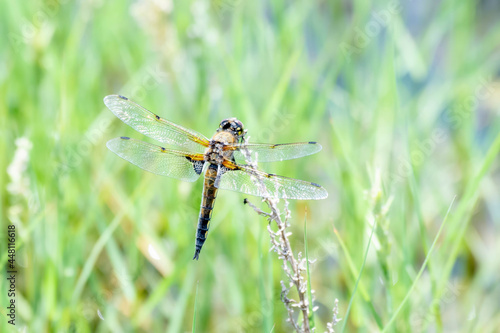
{"points": [[238, 127]]}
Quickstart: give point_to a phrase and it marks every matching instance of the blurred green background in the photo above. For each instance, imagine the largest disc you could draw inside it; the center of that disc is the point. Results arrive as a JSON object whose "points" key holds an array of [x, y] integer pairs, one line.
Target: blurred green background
{"points": [[403, 96]]}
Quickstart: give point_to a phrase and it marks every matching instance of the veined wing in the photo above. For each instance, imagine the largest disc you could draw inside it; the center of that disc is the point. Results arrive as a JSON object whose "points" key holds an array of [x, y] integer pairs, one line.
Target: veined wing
{"points": [[155, 127], [262, 152], [158, 160], [254, 182]]}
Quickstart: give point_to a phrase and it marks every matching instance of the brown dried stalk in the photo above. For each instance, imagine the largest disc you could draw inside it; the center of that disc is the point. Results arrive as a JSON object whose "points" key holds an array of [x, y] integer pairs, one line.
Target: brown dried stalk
{"points": [[294, 267]]}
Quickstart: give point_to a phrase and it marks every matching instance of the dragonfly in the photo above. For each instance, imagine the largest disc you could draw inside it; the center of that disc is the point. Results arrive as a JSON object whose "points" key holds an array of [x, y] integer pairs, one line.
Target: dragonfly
{"points": [[226, 160]]}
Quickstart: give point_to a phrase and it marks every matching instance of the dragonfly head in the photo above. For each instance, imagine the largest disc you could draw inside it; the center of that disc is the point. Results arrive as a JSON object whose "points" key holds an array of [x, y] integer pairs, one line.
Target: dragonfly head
{"points": [[233, 126]]}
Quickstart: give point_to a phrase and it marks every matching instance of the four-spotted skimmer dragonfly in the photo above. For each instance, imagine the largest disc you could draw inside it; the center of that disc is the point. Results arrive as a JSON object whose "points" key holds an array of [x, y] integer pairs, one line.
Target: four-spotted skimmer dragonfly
{"points": [[221, 159]]}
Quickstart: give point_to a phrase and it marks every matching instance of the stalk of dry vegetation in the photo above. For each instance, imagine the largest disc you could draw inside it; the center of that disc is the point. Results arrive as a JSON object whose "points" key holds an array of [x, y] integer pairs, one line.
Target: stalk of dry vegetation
{"points": [[294, 267]]}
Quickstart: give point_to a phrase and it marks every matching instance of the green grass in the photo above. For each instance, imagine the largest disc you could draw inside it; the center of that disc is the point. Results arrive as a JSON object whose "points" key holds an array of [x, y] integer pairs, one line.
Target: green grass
{"points": [[419, 100]]}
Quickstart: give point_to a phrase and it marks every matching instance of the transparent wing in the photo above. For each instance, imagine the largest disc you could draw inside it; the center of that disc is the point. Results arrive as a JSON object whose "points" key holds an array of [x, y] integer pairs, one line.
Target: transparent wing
{"points": [[247, 180], [155, 127], [262, 152], [158, 160]]}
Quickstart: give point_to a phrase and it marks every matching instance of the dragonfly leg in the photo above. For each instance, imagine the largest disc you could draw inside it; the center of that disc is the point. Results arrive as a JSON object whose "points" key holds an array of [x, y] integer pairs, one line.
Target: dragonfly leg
{"points": [[220, 171]]}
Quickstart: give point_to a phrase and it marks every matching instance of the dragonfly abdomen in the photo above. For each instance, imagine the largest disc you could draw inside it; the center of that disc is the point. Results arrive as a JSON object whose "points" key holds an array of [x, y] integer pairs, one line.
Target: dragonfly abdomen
{"points": [[207, 205]]}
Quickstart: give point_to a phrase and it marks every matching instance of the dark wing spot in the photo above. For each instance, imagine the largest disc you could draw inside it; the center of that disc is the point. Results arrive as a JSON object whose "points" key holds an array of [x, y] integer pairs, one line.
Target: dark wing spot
{"points": [[312, 142], [245, 201], [273, 146], [197, 165], [269, 175], [162, 149], [124, 137], [123, 97], [157, 117], [314, 184]]}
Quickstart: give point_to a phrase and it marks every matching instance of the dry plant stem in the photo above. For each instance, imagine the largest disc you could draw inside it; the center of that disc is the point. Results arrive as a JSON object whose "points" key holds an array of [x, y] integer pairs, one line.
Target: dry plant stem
{"points": [[281, 245]]}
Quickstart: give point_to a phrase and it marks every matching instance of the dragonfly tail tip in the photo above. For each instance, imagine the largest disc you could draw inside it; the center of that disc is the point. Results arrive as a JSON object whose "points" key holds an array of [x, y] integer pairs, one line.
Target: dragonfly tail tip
{"points": [[196, 255]]}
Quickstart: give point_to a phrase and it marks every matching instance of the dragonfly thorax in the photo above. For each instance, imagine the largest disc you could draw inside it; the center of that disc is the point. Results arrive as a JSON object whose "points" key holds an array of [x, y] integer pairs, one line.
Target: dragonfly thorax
{"points": [[215, 152]]}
